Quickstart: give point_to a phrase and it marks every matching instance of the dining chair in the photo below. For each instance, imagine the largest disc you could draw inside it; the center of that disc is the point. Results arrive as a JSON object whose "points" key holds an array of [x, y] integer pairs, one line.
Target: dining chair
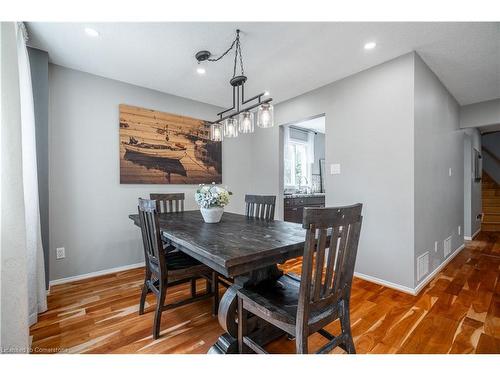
{"points": [[305, 305], [165, 203], [260, 206], [170, 202], [166, 269]]}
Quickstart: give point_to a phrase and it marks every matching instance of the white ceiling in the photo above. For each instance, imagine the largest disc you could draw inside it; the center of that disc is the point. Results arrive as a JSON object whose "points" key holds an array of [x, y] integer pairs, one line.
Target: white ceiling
{"points": [[287, 59]]}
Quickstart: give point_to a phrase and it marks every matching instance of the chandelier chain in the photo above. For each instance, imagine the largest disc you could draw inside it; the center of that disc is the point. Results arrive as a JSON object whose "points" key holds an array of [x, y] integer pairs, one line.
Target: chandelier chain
{"points": [[237, 54], [225, 53], [241, 58]]}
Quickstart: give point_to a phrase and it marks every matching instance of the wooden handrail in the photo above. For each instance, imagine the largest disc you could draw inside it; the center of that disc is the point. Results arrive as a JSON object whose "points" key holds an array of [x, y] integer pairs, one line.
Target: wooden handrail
{"points": [[490, 153]]}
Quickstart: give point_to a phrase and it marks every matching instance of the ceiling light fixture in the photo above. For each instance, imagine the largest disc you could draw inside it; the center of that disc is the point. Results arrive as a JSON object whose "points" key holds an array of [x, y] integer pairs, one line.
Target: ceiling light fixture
{"points": [[200, 70], [235, 120], [91, 32], [370, 45]]}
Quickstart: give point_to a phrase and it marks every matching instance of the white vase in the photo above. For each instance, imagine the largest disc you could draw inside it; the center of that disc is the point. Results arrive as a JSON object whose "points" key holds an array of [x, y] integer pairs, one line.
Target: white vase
{"points": [[212, 214]]}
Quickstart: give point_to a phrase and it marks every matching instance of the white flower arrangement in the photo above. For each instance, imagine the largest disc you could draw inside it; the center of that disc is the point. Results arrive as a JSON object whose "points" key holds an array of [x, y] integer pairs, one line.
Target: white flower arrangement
{"points": [[208, 196]]}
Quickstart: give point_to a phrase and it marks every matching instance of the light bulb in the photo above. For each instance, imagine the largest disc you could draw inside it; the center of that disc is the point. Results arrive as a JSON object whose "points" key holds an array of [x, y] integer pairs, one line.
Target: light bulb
{"points": [[231, 127], [265, 116], [91, 32], [200, 70], [216, 132], [246, 122], [370, 45]]}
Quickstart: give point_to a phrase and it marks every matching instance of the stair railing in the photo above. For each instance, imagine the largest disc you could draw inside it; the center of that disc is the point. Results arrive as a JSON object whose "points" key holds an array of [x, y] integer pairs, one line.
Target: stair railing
{"points": [[491, 154], [495, 159]]}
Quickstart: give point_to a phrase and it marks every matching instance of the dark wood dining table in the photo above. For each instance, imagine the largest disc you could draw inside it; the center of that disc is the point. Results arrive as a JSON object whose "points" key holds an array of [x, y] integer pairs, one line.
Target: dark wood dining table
{"points": [[245, 249]]}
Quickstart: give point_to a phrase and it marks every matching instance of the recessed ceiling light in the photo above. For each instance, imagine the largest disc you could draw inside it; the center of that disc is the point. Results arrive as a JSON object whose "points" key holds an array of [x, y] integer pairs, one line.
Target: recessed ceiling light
{"points": [[370, 45], [200, 70], [267, 93], [91, 32]]}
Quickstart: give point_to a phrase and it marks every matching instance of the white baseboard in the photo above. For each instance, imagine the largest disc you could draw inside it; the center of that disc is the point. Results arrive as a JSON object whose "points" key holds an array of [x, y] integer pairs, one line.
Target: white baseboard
{"points": [[474, 235], [430, 276], [94, 274], [405, 289], [388, 284]]}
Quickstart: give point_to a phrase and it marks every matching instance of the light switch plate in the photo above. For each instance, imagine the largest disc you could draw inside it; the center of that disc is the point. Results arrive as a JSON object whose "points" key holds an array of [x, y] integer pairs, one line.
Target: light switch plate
{"points": [[334, 168], [60, 253]]}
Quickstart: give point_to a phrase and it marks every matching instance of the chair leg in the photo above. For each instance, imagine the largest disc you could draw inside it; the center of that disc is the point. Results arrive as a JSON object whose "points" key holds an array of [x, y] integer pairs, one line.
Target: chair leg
{"points": [[301, 342], [159, 309], [193, 288], [242, 327], [215, 291], [144, 293], [345, 324]]}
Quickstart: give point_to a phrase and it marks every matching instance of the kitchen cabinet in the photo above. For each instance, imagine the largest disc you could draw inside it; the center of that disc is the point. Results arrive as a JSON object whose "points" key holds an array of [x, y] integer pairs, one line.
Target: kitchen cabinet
{"points": [[295, 204]]}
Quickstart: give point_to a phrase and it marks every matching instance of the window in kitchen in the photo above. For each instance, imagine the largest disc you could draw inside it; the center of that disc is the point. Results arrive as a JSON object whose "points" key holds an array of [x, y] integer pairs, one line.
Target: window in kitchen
{"points": [[299, 157]]}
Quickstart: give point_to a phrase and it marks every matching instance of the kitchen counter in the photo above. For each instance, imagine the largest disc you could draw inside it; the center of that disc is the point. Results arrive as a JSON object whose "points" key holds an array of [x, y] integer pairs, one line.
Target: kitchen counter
{"points": [[304, 195]]}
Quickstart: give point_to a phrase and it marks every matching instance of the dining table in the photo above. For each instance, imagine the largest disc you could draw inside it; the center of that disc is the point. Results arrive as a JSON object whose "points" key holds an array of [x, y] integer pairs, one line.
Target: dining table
{"points": [[243, 249]]}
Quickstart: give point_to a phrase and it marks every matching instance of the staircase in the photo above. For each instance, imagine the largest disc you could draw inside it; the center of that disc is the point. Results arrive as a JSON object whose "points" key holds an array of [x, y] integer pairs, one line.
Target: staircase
{"points": [[491, 204]]}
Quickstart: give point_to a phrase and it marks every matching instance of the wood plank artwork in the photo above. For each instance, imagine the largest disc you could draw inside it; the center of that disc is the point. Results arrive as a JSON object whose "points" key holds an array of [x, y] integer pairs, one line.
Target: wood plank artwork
{"points": [[458, 312], [164, 148]]}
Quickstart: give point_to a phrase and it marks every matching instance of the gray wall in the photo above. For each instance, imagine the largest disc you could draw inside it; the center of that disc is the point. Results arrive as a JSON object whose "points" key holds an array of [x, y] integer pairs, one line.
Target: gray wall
{"points": [[439, 144], [472, 189], [88, 206], [369, 131], [492, 142], [480, 114], [39, 65]]}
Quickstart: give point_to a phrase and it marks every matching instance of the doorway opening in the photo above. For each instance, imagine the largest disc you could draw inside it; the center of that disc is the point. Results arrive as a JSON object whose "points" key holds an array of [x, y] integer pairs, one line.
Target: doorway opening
{"points": [[302, 166]]}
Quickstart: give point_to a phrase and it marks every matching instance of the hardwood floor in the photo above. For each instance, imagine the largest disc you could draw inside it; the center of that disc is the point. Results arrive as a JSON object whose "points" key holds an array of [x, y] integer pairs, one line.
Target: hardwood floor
{"points": [[458, 312]]}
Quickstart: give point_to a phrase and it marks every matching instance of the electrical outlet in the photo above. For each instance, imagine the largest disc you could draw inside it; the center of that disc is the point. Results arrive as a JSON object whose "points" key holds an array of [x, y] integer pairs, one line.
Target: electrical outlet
{"points": [[447, 246], [422, 265], [435, 246], [60, 253]]}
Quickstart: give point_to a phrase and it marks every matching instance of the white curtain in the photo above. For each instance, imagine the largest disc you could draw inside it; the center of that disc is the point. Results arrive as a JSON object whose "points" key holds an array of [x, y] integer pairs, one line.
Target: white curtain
{"points": [[37, 299], [310, 155], [286, 155]]}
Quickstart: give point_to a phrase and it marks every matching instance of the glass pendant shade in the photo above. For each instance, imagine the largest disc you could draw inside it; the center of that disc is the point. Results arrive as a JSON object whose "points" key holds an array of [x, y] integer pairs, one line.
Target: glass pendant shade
{"points": [[231, 128], [246, 122], [216, 132], [265, 116]]}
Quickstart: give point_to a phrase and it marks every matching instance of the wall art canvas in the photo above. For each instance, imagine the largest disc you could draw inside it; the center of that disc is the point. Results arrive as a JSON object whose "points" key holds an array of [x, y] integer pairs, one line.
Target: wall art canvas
{"points": [[164, 148]]}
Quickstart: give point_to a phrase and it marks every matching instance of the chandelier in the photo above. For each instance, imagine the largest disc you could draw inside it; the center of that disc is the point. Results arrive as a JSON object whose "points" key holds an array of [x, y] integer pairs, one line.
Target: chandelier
{"points": [[243, 114]]}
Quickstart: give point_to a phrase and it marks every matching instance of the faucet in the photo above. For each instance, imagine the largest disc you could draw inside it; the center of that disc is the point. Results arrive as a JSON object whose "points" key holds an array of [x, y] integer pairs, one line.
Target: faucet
{"points": [[307, 184]]}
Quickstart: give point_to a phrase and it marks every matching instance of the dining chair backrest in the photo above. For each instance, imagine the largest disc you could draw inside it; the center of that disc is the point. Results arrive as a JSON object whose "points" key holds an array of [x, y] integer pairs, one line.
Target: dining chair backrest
{"points": [[151, 237], [260, 206], [172, 202], [326, 276]]}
